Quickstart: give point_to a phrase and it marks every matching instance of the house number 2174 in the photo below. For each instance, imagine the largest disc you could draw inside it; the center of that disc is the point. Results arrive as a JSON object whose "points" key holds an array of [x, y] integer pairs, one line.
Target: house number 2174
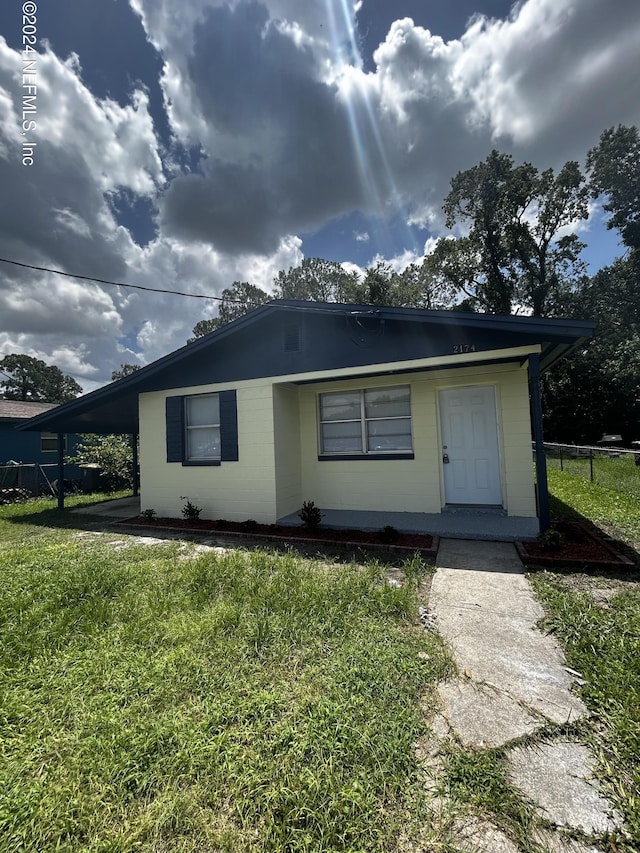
{"points": [[460, 348]]}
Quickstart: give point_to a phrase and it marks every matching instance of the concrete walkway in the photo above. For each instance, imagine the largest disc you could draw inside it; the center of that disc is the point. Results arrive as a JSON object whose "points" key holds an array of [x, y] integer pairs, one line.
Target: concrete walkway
{"points": [[512, 681], [117, 508]]}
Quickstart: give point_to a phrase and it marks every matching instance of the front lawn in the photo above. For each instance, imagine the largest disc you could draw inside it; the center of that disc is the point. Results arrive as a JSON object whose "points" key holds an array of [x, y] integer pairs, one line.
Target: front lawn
{"points": [[157, 697], [617, 472], [617, 512]]}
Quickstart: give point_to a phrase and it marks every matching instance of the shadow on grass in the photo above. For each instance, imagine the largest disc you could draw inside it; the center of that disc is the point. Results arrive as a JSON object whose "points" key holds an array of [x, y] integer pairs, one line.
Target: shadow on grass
{"points": [[37, 513], [561, 510], [55, 519]]}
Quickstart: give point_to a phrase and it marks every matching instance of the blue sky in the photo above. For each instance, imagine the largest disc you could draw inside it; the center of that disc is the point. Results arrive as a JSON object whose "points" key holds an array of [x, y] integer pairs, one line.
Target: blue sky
{"points": [[186, 145]]}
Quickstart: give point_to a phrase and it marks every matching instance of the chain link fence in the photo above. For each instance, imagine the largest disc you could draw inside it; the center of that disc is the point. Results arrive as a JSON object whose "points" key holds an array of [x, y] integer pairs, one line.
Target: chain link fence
{"points": [[610, 467], [22, 480]]}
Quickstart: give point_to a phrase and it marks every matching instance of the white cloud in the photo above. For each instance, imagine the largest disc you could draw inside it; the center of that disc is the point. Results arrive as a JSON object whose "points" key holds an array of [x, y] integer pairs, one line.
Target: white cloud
{"points": [[61, 217], [293, 133], [117, 144], [296, 133], [398, 263], [555, 75]]}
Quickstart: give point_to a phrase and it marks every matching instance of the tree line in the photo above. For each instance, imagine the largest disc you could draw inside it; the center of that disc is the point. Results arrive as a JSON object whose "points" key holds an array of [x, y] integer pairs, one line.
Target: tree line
{"points": [[513, 249], [517, 251]]}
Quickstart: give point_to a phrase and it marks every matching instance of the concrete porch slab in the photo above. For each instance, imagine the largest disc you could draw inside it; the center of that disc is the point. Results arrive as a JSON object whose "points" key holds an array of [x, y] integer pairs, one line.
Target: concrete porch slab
{"points": [[468, 524]]}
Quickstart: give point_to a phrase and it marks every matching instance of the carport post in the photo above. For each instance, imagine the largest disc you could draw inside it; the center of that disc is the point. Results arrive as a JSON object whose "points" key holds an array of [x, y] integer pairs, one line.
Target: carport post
{"points": [[60, 470], [538, 439], [134, 463]]}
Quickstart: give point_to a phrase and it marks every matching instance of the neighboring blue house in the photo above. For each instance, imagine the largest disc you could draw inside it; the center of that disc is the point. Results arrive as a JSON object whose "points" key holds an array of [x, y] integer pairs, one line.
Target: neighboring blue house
{"points": [[32, 448], [37, 448]]}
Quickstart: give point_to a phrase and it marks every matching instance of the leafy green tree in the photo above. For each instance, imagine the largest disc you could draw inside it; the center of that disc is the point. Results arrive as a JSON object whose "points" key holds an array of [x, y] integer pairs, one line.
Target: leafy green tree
{"points": [[30, 379], [614, 168], [378, 285], [317, 281], [125, 370], [547, 264], [114, 455], [512, 254], [597, 390], [236, 301], [420, 286]]}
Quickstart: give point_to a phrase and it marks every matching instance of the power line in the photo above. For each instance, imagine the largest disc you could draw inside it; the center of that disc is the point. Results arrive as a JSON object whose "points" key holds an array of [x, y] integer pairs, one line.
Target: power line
{"points": [[120, 283], [371, 309]]}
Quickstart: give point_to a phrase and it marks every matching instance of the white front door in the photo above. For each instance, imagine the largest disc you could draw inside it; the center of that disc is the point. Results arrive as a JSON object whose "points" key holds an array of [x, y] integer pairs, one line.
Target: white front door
{"points": [[470, 458]]}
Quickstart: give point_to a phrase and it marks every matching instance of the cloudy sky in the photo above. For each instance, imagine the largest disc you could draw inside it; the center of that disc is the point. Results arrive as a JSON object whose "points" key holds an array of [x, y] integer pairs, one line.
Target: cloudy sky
{"points": [[185, 144]]}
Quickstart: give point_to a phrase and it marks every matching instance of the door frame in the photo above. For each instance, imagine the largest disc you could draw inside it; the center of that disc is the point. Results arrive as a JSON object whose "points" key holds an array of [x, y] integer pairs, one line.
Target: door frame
{"points": [[500, 457]]}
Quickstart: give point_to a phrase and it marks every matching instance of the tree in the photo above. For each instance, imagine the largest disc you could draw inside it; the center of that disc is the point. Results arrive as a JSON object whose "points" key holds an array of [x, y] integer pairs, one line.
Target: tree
{"points": [[236, 301], [512, 254], [597, 390], [420, 286], [547, 264], [113, 454], [614, 167], [318, 281], [30, 379], [125, 370]]}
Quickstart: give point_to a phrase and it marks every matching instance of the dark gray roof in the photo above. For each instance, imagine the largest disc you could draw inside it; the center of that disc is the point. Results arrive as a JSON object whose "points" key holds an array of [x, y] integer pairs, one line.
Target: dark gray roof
{"points": [[19, 410], [287, 337]]}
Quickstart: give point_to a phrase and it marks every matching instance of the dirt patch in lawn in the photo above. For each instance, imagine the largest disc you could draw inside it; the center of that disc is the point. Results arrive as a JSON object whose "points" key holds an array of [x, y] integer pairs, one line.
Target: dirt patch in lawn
{"points": [[602, 587]]}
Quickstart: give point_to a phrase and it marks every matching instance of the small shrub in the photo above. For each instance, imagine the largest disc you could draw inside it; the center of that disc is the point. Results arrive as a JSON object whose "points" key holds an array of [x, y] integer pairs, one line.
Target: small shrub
{"points": [[148, 514], [388, 534], [550, 539], [310, 515], [191, 512], [249, 525]]}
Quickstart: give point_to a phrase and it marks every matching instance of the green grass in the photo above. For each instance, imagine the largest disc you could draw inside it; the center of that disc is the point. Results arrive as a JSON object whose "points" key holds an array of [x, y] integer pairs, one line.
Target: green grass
{"points": [[601, 637], [480, 779], [606, 507], [620, 474], [154, 699], [603, 645]]}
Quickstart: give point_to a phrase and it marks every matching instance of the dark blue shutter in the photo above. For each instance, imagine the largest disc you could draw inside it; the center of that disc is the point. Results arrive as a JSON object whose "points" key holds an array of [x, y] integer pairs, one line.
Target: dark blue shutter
{"points": [[175, 429], [228, 427]]}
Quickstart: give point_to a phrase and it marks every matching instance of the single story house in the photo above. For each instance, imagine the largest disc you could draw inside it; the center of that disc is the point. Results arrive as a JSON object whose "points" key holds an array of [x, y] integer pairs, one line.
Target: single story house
{"points": [[37, 452], [377, 415], [29, 448]]}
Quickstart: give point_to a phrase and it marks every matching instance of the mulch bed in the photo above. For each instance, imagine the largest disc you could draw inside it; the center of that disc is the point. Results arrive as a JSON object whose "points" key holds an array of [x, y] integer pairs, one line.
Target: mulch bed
{"points": [[373, 540], [580, 548]]}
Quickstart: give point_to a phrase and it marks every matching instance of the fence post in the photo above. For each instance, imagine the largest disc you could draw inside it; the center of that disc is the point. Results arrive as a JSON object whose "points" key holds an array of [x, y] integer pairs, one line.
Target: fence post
{"points": [[591, 462], [561, 465]]}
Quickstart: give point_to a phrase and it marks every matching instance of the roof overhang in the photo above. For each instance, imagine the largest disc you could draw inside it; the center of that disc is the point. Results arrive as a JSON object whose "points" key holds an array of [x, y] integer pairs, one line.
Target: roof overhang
{"points": [[114, 408]]}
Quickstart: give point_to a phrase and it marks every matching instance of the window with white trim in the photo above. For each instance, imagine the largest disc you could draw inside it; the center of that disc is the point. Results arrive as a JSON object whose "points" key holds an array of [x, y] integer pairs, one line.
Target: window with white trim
{"points": [[367, 421], [202, 427]]}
